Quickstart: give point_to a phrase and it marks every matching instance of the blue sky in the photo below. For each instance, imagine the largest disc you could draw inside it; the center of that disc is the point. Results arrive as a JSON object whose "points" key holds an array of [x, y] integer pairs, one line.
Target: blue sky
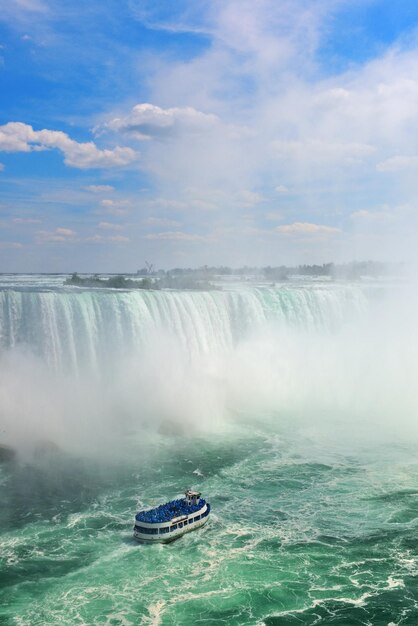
{"points": [[206, 132]]}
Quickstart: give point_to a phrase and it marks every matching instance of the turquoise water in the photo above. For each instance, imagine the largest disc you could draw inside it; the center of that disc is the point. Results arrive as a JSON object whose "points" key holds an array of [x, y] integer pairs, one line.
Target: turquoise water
{"points": [[299, 534], [314, 506]]}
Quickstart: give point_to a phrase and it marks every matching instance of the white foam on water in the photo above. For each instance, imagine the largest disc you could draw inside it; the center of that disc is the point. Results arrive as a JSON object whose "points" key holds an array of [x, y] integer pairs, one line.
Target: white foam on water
{"points": [[394, 583], [156, 612]]}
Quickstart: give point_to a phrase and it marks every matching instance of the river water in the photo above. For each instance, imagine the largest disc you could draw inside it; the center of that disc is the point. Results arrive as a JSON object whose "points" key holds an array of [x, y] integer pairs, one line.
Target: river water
{"points": [[292, 408]]}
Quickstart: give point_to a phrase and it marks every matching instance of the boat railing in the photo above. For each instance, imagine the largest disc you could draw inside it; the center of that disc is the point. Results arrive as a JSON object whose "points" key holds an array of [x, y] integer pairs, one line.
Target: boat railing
{"points": [[177, 525]]}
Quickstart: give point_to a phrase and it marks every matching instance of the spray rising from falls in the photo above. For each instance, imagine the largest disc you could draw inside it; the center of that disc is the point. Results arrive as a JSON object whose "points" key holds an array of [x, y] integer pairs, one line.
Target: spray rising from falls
{"points": [[82, 366]]}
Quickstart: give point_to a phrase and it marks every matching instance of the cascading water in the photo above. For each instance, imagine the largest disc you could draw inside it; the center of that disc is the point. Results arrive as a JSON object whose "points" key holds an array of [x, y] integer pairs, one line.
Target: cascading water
{"points": [[74, 329], [292, 408], [160, 357]]}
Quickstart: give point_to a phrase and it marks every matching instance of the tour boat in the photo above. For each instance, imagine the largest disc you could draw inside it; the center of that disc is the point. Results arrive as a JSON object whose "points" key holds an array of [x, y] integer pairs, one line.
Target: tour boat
{"points": [[173, 519]]}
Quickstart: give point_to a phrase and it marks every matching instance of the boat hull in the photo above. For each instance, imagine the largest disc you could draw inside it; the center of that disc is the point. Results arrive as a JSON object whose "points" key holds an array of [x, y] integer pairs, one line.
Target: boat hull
{"points": [[172, 536]]}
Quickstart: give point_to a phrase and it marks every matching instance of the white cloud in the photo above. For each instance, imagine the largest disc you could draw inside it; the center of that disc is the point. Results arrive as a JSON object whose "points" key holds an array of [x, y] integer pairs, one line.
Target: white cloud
{"points": [[398, 163], [115, 207], [96, 239], [382, 215], [261, 75], [2, 167], [26, 220], [21, 10], [250, 116], [15, 137], [30, 5], [59, 235], [167, 203], [174, 236], [107, 239], [146, 121], [109, 226], [305, 228], [20, 137], [12, 245], [315, 150], [66, 232], [161, 221], [268, 32], [100, 188], [248, 198], [361, 215], [274, 216], [118, 238]]}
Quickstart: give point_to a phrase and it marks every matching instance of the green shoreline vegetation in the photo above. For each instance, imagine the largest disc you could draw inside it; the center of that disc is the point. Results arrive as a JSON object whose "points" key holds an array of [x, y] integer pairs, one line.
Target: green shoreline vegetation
{"points": [[114, 282], [147, 282], [202, 278]]}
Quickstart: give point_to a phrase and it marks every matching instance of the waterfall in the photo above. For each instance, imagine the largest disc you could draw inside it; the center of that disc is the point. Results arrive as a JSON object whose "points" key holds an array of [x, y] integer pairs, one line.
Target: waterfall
{"points": [[70, 329], [81, 366]]}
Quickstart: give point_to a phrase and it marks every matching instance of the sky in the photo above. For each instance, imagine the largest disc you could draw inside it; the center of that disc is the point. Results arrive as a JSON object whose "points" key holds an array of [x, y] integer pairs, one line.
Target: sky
{"points": [[218, 132]]}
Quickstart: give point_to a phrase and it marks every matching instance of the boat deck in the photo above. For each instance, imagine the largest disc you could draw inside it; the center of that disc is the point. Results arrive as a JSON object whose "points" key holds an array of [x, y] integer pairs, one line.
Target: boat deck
{"points": [[168, 511]]}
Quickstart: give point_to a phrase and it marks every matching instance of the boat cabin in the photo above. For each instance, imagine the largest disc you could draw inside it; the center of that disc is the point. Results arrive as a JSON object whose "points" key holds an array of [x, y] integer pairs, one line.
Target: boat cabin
{"points": [[192, 497]]}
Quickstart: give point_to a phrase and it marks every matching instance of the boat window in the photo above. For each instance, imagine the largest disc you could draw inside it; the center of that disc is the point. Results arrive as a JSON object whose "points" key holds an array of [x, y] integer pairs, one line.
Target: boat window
{"points": [[173, 527], [181, 525], [197, 518], [163, 530], [147, 531]]}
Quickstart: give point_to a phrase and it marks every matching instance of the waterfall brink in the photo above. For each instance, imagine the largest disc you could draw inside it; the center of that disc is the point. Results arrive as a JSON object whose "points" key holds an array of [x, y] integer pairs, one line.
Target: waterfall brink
{"points": [[70, 330]]}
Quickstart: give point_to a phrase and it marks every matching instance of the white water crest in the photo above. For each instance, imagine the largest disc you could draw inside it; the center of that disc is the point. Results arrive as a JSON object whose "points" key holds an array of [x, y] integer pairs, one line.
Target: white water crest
{"points": [[82, 366]]}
